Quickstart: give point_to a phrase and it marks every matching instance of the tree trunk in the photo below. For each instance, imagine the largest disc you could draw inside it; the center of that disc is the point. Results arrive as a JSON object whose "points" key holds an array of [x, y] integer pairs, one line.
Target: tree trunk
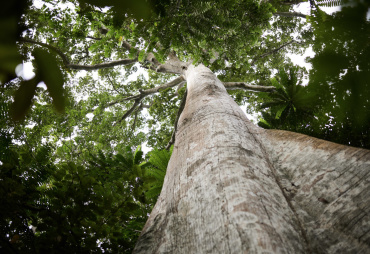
{"points": [[232, 187]]}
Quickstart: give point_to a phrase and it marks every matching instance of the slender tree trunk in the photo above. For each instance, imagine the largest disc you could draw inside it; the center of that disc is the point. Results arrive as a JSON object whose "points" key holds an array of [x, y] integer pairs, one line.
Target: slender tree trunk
{"points": [[232, 187]]}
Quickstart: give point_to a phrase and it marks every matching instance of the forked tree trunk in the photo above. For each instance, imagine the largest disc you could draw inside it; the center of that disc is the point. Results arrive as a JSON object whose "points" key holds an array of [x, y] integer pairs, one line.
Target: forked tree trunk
{"points": [[232, 187]]}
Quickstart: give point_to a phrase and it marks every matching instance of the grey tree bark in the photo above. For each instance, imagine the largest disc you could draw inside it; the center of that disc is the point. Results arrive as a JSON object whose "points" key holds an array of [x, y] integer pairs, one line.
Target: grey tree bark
{"points": [[232, 187]]}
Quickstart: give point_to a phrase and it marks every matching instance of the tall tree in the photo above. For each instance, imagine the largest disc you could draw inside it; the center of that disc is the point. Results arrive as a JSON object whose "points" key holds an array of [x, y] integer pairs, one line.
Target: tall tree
{"points": [[230, 187]]}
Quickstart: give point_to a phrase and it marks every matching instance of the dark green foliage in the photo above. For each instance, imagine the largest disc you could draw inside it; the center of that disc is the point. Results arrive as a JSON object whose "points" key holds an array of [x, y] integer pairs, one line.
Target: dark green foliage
{"points": [[10, 15], [139, 9], [341, 73], [47, 71], [199, 29], [292, 106], [156, 168], [97, 208], [60, 198], [338, 88]]}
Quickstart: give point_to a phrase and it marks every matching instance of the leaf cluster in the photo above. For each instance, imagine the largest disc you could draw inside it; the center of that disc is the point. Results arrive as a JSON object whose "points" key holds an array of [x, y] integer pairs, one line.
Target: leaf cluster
{"points": [[96, 207]]}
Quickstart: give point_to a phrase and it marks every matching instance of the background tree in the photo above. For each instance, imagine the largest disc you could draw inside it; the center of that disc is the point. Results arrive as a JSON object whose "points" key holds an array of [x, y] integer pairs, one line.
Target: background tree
{"points": [[338, 80]]}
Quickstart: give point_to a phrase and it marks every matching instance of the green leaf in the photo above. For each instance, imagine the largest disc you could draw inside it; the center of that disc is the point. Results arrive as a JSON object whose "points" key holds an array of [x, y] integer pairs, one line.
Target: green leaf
{"points": [[138, 156], [131, 207], [94, 47], [280, 111], [264, 124], [49, 72], [23, 99], [142, 56]]}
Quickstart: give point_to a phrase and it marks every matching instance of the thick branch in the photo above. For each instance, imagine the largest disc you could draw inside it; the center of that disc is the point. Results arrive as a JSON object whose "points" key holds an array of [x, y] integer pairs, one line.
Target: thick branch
{"points": [[93, 38], [67, 63], [274, 51], [181, 108], [126, 45], [245, 86], [173, 65], [151, 59], [290, 14], [102, 65]]}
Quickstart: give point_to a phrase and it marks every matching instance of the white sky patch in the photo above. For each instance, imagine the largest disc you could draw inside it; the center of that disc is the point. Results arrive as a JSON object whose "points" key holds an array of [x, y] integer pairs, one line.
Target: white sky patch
{"points": [[305, 8], [25, 71], [90, 116], [300, 59], [39, 4], [31, 125], [135, 75], [145, 148], [42, 85]]}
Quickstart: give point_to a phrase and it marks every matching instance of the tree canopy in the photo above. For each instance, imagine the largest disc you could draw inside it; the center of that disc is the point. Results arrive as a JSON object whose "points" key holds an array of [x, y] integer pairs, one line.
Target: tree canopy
{"points": [[73, 175]]}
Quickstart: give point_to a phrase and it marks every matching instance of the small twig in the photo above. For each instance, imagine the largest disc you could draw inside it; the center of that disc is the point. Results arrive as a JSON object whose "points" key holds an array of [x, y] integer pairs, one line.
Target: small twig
{"points": [[93, 38], [114, 87]]}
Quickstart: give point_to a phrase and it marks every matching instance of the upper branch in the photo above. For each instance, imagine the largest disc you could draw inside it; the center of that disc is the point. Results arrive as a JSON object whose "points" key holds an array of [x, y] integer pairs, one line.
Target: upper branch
{"points": [[245, 86], [157, 89], [55, 49], [70, 65]]}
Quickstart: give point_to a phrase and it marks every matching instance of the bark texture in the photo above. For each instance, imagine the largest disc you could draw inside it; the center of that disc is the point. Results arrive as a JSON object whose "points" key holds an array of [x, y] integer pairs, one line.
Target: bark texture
{"points": [[329, 187], [232, 187]]}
